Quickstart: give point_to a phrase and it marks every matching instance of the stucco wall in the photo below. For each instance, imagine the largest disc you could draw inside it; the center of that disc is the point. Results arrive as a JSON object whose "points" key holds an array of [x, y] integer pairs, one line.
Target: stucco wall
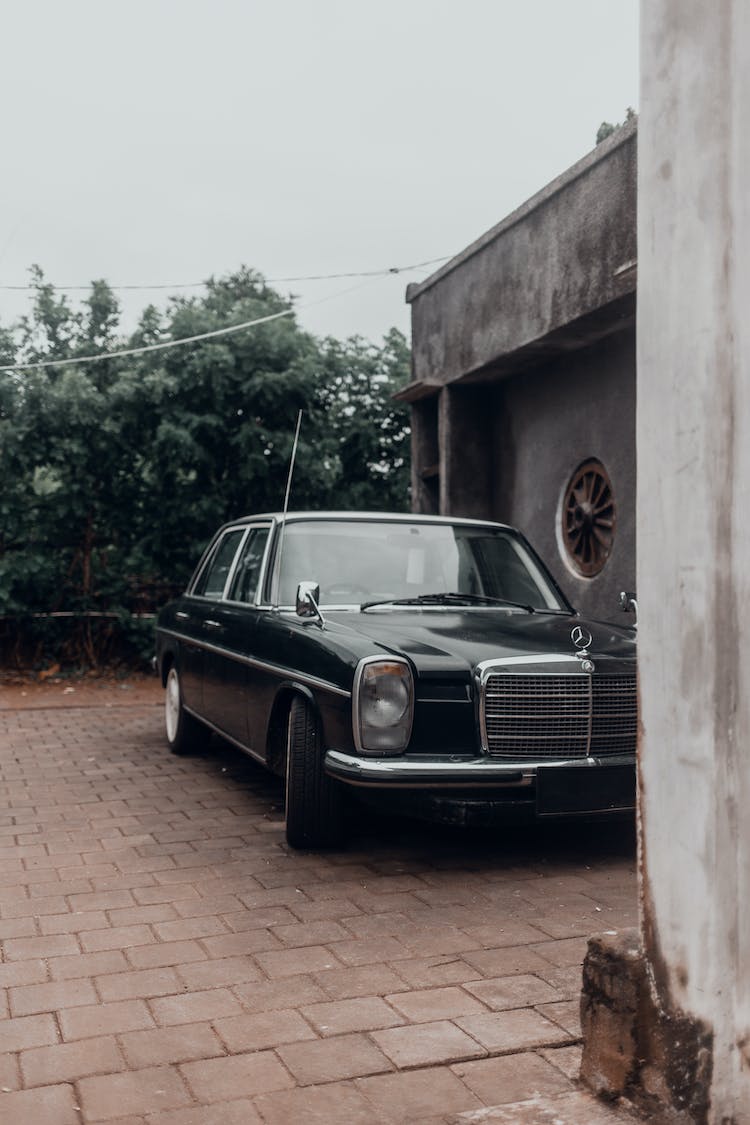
{"points": [[547, 422], [693, 527]]}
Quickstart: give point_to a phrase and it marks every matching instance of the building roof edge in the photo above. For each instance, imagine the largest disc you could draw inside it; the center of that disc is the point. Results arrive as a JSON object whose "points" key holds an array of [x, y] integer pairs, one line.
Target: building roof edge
{"points": [[602, 150]]}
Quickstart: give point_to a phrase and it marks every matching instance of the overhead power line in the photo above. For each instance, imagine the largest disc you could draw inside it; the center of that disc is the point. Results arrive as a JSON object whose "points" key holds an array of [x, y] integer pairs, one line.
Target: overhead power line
{"points": [[269, 280], [164, 345]]}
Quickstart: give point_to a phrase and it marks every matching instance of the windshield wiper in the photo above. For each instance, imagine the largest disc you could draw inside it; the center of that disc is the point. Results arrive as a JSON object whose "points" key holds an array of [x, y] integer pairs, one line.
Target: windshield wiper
{"points": [[448, 597]]}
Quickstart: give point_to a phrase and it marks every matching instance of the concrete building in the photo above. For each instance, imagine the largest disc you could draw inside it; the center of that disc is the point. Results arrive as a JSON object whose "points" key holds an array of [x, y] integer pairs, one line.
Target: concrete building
{"points": [[523, 376]]}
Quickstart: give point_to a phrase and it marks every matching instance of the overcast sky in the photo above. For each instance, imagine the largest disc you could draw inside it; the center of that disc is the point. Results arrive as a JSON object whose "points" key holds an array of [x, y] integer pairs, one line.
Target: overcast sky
{"points": [[162, 141]]}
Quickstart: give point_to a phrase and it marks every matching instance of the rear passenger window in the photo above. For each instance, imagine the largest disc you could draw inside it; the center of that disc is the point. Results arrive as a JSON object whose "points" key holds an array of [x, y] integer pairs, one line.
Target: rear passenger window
{"points": [[213, 579], [245, 581]]}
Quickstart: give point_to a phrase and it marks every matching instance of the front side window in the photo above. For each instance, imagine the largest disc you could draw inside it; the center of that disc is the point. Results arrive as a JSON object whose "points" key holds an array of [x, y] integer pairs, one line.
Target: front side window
{"points": [[357, 561], [247, 573], [213, 577]]}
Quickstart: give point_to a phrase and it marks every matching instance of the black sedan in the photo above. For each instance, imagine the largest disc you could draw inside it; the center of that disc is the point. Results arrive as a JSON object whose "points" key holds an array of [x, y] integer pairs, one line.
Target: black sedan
{"points": [[429, 660]]}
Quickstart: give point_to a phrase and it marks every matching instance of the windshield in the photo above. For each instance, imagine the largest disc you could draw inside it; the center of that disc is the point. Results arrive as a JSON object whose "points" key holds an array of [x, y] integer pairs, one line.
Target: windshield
{"points": [[358, 561]]}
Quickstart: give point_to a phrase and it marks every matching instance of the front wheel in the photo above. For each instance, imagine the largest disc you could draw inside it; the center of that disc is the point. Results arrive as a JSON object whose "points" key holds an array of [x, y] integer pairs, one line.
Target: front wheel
{"points": [[314, 806], [184, 733]]}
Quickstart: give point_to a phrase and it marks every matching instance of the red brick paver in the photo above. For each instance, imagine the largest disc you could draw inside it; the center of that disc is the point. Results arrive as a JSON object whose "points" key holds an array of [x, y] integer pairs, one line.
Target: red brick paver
{"points": [[166, 960]]}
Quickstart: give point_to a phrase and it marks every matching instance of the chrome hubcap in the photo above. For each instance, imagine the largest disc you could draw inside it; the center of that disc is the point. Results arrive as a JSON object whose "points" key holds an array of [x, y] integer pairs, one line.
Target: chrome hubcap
{"points": [[172, 704]]}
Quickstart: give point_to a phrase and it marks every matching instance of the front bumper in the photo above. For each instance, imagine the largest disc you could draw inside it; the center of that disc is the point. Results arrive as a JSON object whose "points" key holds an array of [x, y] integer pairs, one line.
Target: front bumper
{"points": [[563, 788], [438, 771]]}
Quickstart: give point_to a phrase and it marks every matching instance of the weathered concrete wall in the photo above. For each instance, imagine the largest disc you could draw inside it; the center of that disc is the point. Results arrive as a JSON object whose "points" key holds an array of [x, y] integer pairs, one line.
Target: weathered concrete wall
{"points": [[565, 254], [425, 456], [507, 451], [693, 426], [547, 422], [466, 452], [523, 366]]}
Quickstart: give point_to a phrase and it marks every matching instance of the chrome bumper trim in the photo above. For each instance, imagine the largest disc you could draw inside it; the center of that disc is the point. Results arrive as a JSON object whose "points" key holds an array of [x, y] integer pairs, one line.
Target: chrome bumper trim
{"points": [[417, 772]]}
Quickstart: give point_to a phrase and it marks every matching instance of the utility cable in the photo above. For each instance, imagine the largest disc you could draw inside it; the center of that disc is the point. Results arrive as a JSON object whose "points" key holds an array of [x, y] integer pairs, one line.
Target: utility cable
{"points": [[166, 344], [267, 280], [122, 352]]}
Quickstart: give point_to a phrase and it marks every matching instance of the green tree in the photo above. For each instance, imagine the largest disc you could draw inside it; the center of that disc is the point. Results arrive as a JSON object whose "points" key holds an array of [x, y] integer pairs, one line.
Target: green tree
{"points": [[222, 413], [606, 129], [368, 435], [118, 471], [77, 477]]}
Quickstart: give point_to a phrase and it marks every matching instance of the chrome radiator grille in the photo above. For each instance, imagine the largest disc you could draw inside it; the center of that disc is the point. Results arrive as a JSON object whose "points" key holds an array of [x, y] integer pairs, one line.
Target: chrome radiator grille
{"points": [[543, 717]]}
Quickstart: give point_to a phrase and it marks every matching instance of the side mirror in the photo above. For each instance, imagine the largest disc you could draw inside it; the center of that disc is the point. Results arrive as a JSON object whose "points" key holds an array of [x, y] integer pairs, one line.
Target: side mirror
{"points": [[628, 604], [308, 596]]}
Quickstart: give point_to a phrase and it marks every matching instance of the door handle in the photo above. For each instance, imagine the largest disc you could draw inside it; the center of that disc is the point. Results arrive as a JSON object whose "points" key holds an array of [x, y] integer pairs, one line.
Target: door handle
{"points": [[182, 615], [213, 624]]}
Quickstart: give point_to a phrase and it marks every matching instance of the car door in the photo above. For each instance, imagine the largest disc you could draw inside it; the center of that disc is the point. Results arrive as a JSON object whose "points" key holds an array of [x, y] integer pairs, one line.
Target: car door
{"points": [[189, 623], [232, 625], [203, 623], [188, 626]]}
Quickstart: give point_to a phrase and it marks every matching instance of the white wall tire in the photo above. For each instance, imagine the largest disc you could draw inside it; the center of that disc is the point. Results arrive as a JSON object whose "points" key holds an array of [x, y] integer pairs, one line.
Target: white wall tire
{"points": [[184, 733]]}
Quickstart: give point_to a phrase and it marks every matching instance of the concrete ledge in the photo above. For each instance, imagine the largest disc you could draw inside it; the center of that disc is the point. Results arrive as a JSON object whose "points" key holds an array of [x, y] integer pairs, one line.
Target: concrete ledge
{"points": [[568, 253], [635, 1045], [603, 149]]}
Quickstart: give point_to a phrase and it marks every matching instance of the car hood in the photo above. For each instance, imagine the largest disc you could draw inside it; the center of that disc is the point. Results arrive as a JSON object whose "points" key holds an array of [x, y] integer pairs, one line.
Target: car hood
{"points": [[449, 641]]}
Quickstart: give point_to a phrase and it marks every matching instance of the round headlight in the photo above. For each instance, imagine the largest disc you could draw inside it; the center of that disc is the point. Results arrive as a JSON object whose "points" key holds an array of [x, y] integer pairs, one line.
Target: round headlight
{"points": [[386, 697], [384, 701]]}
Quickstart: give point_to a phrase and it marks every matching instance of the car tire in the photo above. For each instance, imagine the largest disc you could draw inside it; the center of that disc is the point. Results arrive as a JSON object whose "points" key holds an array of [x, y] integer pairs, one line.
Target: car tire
{"points": [[314, 802], [184, 733]]}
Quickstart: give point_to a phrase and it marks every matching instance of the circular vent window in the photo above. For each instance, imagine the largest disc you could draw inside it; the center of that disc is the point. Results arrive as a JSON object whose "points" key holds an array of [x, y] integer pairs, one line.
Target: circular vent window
{"points": [[588, 518]]}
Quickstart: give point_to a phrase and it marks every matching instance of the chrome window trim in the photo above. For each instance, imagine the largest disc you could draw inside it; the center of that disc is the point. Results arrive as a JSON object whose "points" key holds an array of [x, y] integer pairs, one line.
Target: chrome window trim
{"points": [[381, 658], [209, 556], [270, 563], [202, 563], [233, 568], [210, 552], [262, 572], [262, 665]]}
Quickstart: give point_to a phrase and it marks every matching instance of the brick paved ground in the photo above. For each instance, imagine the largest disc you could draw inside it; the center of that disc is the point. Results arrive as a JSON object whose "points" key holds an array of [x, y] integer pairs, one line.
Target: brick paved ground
{"points": [[166, 961]]}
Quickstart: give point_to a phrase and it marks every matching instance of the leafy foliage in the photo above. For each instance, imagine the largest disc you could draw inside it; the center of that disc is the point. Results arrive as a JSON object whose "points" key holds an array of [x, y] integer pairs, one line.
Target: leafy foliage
{"points": [[606, 129], [115, 473]]}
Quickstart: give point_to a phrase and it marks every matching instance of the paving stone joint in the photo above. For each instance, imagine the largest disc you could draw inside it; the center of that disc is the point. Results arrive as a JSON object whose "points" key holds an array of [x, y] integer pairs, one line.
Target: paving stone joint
{"points": [[165, 959]]}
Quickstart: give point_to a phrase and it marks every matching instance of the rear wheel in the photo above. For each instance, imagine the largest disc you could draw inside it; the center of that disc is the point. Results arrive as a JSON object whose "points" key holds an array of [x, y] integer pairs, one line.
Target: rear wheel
{"points": [[184, 733], [314, 805]]}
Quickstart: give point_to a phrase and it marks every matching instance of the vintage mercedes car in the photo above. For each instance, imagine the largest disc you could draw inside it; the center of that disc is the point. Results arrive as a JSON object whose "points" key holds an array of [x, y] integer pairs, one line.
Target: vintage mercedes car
{"points": [[428, 660]]}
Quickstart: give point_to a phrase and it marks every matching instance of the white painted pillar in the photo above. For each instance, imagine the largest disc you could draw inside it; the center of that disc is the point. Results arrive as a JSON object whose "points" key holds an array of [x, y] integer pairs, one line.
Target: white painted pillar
{"points": [[693, 428]]}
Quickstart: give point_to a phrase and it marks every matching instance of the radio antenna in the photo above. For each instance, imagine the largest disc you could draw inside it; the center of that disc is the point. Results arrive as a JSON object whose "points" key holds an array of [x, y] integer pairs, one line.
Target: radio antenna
{"points": [[292, 459]]}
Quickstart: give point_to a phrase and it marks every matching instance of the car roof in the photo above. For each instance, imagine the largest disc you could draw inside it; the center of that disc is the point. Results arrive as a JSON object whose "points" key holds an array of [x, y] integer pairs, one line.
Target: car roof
{"points": [[382, 517]]}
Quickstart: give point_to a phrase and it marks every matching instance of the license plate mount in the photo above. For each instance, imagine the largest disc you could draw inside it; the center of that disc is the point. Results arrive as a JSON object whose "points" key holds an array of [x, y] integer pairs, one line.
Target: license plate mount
{"points": [[582, 790]]}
